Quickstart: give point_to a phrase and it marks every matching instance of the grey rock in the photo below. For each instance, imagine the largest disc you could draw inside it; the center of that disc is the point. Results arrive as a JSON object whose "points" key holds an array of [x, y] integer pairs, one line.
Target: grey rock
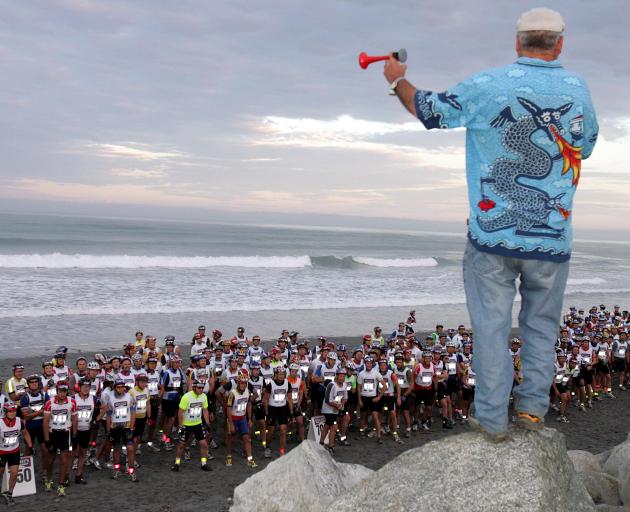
{"points": [[611, 508], [584, 461], [532, 472], [602, 487], [308, 468], [624, 483], [619, 455], [603, 457]]}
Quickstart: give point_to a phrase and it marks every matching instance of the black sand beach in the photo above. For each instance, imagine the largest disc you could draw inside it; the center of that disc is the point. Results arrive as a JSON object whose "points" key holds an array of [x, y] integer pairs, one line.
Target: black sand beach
{"points": [[159, 489]]}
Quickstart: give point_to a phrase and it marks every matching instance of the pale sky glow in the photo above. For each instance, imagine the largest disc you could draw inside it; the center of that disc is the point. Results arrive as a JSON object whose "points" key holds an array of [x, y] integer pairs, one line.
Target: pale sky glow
{"points": [[261, 107]]}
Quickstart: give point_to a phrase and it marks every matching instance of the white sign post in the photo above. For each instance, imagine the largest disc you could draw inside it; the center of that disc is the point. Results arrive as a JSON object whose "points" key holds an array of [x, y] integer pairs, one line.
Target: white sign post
{"points": [[315, 430], [25, 484]]}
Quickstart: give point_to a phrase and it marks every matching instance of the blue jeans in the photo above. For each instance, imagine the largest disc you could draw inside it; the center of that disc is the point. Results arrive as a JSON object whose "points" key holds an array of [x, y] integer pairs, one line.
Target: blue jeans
{"points": [[490, 284]]}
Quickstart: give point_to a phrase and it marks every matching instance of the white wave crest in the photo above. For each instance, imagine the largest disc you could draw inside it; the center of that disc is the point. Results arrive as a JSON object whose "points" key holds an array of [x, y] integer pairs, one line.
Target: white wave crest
{"points": [[61, 261], [397, 262], [592, 280]]}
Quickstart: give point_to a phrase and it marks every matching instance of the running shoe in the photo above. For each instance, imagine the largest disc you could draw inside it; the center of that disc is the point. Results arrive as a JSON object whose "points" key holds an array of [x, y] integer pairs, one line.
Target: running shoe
{"points": [[48, 485], [344, 442], [109, 464], [115, 474], [407, 434], [582, 408], [8, 498], [379, 440], [80, 480], [175, 467], [622, 387], [228, 461], [168, 447], [590, 404], [371, 433], [210, 456], [186, 455], [205, 467], [252, 463], [213, 444], [133, 477], [414, 427], [555, 407], [330, 449], [610, 395], [153, 447], [562, 419], [425, 426], [600, 397], [529, 421], [95, 463], [75, 464], [267, 453], [61, 491]]}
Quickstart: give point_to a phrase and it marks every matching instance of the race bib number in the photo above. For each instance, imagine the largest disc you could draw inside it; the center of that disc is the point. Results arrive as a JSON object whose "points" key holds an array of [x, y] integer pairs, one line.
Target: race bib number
{"points": [[622, 351], [349, 386], [60, 419], [294, 395], [339, 398], [471, 381], [426, 379], [142, 404], [153, 387], [241, 406], [565, 379], [9, 441], [602, 354], [279, 396], [176, 382], [256, 358], [194, 412], [368, 386], [84, 415], [559, 377], [452, 368]]}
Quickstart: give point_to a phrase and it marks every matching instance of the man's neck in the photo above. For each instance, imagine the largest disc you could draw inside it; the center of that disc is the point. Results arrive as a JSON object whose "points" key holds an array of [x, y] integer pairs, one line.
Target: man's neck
{"points": [[538, 55]]}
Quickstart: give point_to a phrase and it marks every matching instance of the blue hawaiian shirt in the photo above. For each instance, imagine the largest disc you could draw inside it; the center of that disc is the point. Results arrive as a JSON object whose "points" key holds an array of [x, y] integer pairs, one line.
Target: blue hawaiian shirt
{"points": [[528, 127]]}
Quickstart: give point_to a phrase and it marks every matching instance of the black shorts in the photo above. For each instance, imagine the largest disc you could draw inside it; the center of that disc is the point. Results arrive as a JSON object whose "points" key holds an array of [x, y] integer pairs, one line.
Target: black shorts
{"points": [[468, 394], [36, 433], [619, 364], [452, 385], [331, 419], [12, 459], [121, 435], [297, 412], [194, 430], [278, 416], [586, 375], [369, 405], [60, 440], [389, 403], [169, 408], [139, 427], [406, 401], [82, 439], [259, 411], [442, 391], [602, 368], [155, 408], [317, 396], [425, 396]]}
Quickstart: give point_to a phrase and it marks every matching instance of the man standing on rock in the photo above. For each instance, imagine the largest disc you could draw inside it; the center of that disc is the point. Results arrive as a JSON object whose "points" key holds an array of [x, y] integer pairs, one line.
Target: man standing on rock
{"points": [[529, 126]]}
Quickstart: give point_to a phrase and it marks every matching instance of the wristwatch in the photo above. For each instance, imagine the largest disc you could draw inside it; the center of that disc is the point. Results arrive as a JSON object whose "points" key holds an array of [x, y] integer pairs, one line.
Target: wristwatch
{"points": [[394, 84]]}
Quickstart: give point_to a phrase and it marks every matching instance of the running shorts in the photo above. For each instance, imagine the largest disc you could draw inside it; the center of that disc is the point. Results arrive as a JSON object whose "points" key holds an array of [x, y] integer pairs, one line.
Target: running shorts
{"points": [[370, 405], [452, 385], [442, 391], [36, 433], [60, 440], [138, 431], [259, 411], [619, 364], [241, 426], [12, 459], [468, 394], [121, 435], [169, 407], [389, 403], [278, 415], [155, 408], [331, 419], [602, 368], [586, 376], [82, 439], [425, 396], [194, 430]]}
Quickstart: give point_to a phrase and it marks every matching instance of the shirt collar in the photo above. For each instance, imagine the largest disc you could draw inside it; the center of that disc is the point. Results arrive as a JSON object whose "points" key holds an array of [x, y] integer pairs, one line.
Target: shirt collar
{"points": [[529, 61]]}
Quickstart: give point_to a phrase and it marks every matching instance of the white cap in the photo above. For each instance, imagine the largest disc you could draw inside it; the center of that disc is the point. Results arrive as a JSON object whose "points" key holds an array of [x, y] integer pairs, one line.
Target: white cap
{"points": [[540, 18]]}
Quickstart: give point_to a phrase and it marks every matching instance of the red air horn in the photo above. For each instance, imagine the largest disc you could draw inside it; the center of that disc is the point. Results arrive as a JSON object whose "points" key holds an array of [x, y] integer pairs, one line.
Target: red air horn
{"points": [[365, 60]]}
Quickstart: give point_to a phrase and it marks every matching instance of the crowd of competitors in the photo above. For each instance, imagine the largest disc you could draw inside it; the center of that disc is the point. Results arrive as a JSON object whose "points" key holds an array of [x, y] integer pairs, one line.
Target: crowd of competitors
{"points": [[102, 412]]}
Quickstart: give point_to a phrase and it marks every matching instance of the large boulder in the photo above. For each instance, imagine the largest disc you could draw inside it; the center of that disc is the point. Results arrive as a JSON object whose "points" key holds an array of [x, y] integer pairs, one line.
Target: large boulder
{"points": [[309, 468], [624, 483], [584, 461], [619, 456], [602, 487], [532, 473]]}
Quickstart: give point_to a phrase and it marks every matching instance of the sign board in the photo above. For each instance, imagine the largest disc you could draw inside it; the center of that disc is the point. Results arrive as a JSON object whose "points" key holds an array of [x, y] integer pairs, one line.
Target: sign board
{"points": [[316, 427], [25, 484]]}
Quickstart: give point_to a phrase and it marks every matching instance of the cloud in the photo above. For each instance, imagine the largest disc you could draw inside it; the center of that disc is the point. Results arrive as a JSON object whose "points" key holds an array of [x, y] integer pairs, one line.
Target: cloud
{"points": [[134, 151], [348, 133], [137, 173]]}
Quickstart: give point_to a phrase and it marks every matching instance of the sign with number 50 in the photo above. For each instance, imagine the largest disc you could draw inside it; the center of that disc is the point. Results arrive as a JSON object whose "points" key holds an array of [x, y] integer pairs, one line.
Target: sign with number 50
{"points": [[25, 481]]}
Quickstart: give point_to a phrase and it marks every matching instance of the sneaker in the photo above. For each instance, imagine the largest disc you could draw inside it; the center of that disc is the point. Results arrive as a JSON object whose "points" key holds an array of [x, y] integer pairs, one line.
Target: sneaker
{"points": [[228, 461], [425, 426], [8, 498], [187, 455], [175, 467], [75, 464], [386, 429], [267, 453], [252, 463], [210, 456], [563, 419], [600, 397], [582, 408], [115, 474], [414, 427], [61, 491], [133, 477], [109, 464], [555, 407], [622, 387], [48, 485], [407, 434], [213, 444], [610, 395], [168, 447], [330, 449], [590, 404], [398, 440], [153, 447], [205, 467], [80, 480], [496, 437], [344, 442], [446, 424], [529, 421], [379, 440], [371, 433]]}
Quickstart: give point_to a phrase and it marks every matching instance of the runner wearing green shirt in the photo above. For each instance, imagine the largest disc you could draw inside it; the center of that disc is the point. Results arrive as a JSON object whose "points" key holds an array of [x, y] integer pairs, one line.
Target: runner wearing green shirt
{"points": [[193, 408], [351, 404]]}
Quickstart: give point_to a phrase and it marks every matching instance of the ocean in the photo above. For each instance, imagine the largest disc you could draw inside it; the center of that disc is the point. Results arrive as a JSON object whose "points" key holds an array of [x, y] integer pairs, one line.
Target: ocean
{"points": [[90, 283]]}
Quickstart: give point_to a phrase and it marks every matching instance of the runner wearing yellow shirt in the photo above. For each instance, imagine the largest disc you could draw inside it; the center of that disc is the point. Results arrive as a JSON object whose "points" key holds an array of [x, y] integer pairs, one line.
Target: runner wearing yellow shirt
{"points": [[193, 407]]}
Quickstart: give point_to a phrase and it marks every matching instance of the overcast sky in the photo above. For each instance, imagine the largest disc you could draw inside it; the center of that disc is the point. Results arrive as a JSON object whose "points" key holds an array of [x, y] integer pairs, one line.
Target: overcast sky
{"points": [[261, 106]]}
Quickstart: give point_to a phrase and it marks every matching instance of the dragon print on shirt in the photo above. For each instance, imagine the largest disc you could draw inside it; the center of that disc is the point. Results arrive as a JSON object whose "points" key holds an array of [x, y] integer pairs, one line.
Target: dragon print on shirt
{"points": [[527, 207]]}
